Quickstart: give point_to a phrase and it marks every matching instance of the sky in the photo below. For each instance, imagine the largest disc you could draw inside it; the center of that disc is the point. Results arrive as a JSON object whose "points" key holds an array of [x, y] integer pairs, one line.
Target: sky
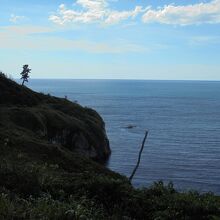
{"points": [[111, 39]]}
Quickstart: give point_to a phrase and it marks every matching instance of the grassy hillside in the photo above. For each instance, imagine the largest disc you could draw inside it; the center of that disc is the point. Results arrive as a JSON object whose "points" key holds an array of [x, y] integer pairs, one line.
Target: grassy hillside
{"points": [[46, 172], [37, 117]]}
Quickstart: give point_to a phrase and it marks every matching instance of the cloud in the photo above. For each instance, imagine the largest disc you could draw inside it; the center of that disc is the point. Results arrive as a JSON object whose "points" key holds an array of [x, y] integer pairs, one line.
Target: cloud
{"points": [[33, 38], [200, 13], [93, 11], [25, 30], [204, 40], [16, 18], [99, 11], [117, 16]]}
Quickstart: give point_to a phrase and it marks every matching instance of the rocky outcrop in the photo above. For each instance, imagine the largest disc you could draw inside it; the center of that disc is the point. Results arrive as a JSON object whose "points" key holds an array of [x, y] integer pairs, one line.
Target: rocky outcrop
{"points": [[51, 119]]}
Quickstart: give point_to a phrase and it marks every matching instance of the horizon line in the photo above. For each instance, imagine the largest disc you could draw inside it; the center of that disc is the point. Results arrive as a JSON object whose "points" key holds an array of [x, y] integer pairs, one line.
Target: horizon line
{"points": [[127, 79]]}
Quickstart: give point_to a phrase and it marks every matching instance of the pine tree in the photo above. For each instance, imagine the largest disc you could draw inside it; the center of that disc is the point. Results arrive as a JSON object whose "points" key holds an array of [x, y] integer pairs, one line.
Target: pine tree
{"points": [[25, 73]]}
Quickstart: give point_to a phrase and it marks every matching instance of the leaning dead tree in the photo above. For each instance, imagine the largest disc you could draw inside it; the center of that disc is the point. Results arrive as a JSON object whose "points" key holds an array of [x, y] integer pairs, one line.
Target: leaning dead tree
{"points": [[139, 157]]}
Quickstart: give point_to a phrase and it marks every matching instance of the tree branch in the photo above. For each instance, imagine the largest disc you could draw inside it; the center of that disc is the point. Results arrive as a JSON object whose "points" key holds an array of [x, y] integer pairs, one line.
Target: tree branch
{"points": [[139, 157]]}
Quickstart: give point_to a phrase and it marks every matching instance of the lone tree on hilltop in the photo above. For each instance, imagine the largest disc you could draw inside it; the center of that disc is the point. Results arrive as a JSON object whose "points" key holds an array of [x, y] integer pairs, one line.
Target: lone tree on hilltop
{"points": [[24, 73]]}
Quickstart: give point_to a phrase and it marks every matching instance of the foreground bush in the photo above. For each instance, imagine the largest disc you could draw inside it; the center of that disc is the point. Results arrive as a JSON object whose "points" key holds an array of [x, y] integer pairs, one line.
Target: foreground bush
{"points": [[112, 199]]}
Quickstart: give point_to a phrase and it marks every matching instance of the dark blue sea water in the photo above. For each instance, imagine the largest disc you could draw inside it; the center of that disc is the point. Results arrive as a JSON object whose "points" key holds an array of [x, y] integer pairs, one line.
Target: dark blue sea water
{"points": [[183, 118]]}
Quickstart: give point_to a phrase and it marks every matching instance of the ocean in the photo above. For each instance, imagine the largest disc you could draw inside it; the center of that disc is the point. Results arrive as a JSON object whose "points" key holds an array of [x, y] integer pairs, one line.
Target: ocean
{"points": [[182, 117]]}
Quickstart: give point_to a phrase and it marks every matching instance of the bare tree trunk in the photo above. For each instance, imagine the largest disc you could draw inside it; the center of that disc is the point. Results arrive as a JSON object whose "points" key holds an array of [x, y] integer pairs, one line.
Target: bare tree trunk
{"points": [[139, 157], [23, 82]]}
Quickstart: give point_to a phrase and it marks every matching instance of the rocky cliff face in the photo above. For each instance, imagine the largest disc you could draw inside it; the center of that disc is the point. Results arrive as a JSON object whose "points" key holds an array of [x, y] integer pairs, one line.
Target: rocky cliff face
{"points": [[40, 117]]}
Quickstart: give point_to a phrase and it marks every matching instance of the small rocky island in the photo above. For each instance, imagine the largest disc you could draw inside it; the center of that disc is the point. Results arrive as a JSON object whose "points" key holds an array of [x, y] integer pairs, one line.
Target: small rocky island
{"points": [[50, 154]]}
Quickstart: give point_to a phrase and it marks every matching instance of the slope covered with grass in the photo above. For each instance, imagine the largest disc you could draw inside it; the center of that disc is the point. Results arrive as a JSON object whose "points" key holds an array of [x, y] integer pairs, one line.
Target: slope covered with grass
{"points": [[46, 170]]}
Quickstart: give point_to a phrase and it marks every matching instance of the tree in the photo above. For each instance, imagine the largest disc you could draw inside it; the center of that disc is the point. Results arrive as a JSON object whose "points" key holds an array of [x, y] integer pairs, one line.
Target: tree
{"points": [[139, 157], [25, 73]]}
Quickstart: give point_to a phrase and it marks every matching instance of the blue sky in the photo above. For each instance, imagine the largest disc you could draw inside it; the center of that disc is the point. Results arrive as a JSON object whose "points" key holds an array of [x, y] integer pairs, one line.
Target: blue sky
{"points": [[111, 39]]}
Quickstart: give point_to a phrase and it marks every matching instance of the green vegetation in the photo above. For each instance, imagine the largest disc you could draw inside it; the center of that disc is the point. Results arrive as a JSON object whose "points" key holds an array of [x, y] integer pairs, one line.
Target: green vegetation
{"points": [[35, 118], [44, 176]]}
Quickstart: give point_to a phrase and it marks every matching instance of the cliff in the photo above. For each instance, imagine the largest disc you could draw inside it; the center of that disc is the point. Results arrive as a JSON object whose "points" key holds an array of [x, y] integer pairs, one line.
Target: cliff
{"points": [[42, 118]]}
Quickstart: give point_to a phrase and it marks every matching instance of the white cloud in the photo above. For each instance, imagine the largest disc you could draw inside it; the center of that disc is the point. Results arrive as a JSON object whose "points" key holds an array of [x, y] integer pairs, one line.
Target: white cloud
{"points": [[117, 16], [16, 18], [204, 40], [24, 29], [99, 11], [27, 37], [93, 11], [200, 13]]}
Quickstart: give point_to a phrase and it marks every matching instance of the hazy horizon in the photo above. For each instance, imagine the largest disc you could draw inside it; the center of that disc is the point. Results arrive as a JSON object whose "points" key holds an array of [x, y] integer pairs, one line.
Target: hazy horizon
{"points": [[125, 79]]}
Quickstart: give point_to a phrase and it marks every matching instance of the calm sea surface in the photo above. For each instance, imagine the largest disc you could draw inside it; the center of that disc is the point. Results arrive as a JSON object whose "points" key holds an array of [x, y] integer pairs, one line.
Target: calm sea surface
{"points": [[183, 118]]}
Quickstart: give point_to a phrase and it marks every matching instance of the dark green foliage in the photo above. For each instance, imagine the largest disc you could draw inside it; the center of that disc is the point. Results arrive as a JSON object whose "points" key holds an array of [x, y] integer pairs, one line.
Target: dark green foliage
{"points": [[39, 116], [19, 181], [45, 207], [44, 180], [12, 93]]}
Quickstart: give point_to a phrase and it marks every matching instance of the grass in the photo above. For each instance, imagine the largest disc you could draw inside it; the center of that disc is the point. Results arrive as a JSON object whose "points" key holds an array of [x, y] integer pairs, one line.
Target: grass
{"points": [[43, 177], [43, 117]]}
